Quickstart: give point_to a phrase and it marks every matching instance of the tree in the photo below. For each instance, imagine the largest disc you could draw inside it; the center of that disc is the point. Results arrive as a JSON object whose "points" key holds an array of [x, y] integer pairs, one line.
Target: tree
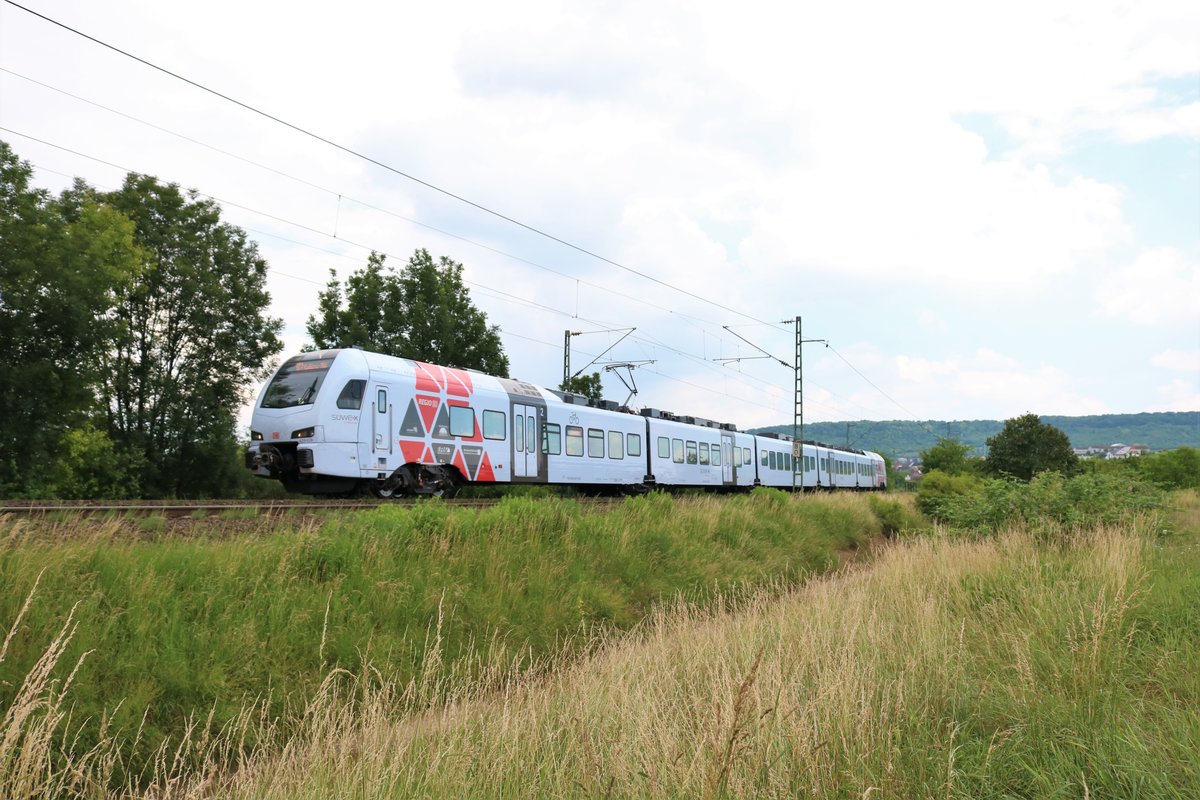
{"points": [[193, 339], [1027, 446], [948, 456], [61, 262], [423, 312], [586, 385]]}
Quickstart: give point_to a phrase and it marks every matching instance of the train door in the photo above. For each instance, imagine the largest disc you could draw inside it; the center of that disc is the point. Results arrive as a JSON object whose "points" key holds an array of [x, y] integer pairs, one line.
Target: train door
{"points": [[728, 468], [526, 438], [381, 422]]}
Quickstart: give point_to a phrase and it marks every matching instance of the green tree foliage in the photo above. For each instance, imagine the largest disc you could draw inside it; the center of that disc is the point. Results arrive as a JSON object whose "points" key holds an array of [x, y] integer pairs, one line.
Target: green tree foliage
{"points": [[1027, 446], [586, 385], [423, 312], [1174, 469], [948, 456], [193, 337], [1160, 431], [89, 466], [61, 260]]}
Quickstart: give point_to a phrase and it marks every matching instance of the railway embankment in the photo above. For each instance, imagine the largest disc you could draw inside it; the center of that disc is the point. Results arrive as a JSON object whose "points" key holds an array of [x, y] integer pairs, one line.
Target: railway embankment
{"points": [[173, 637]]}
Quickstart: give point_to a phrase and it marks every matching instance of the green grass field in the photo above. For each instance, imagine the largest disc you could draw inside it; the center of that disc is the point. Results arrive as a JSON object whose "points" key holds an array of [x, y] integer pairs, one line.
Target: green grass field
{"points": [[643, 652], [194, 630]]}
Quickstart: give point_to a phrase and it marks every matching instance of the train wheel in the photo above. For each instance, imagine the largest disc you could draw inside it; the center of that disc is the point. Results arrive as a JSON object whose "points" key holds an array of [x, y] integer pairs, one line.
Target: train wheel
{"points": [[438, 481]]}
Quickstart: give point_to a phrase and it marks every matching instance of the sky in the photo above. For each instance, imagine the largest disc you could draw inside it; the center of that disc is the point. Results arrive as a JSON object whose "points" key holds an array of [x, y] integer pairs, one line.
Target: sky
{"points": [[983, 210]]}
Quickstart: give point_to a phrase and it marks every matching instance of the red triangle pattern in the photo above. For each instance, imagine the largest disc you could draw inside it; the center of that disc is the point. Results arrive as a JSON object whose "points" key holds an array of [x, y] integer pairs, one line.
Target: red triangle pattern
{"points": [[485, 471], [412, 451], [428, 406]]}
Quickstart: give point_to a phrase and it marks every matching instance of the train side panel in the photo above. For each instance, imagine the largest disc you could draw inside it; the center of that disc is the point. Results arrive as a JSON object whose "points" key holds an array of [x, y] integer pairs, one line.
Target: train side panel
{"points": [[593, 447]]}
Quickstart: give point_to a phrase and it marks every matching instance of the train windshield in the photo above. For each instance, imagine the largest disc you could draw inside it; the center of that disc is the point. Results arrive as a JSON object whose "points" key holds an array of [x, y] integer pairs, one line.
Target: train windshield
{"points": [[297, 382]]}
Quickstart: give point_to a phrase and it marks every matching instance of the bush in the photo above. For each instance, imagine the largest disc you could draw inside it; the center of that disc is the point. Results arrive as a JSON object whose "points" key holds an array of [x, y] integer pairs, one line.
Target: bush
{"points": [[938, 487], [1049, 503], [1174, 469], [894, 516]]}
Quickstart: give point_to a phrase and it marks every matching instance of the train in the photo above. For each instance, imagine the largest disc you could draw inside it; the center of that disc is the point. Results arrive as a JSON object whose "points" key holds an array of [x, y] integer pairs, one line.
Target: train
{"points": [[347, 421]]}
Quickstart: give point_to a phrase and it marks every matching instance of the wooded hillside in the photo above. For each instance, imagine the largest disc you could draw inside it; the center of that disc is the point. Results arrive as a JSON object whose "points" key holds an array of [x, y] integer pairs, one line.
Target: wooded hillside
{"points": [[1158, 431]]}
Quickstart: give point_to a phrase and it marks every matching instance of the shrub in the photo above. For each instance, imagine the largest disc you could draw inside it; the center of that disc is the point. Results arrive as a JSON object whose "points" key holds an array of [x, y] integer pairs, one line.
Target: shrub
{"points": [[938, 487], [1174, 469], [1049, 503], [894, 516]]}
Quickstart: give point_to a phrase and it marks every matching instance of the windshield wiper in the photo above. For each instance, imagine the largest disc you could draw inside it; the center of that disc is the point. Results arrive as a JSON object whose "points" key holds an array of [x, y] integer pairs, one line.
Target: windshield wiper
{"points": [[308, 393]]}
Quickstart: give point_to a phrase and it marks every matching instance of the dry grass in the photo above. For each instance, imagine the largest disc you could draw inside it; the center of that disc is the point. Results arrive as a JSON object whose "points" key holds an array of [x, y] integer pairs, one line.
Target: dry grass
{"points": [[849, 687], [943, 668]]}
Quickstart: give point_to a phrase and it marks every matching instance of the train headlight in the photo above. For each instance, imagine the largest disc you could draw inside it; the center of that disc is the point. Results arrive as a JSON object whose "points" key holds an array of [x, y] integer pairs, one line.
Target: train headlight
{"points": [[256, 436], [304, 433]]}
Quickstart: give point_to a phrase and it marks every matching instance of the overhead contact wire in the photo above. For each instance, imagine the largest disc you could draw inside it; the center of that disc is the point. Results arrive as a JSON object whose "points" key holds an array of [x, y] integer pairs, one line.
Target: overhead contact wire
{"points": [[380, 164]]}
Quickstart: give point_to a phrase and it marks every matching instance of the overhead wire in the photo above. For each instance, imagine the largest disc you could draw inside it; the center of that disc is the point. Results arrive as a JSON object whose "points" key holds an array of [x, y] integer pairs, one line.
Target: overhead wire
{"points": [[382, 165], [342, 195], [389, 168], [511, 298]]}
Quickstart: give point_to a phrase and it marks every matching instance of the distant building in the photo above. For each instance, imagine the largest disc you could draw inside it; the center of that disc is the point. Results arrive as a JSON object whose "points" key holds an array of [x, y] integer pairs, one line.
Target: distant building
{"points": [[1125, 450], [1111, 451]]}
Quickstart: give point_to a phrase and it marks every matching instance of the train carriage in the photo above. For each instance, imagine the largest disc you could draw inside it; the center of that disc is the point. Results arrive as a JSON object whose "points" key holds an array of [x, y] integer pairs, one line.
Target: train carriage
{"points": [[339, 421], [593, 447]]}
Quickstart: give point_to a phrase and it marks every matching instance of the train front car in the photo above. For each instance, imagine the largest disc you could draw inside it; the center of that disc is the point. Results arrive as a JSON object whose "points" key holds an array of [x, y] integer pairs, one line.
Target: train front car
{"points": [[305, 427]]}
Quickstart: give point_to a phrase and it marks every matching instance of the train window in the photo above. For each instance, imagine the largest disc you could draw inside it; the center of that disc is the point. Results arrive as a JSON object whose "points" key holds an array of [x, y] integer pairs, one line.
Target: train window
{"points": [[381, 400], [493, 424], [530, 433], [616, 444], [664, 447], [633, 445], [747, 457], [297, 382], [704, 453], [574, 440], [763, 456], [716, 455], [462, 421], [352, 395], [595, 443], [519, 433], [552, 438], [771, 460], [691, 452], [787, 461], [677, 450]]}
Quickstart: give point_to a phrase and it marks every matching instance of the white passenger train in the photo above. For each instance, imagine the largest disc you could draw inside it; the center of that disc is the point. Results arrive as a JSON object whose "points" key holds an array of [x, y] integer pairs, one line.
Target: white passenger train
{"points": [[341, 421]]}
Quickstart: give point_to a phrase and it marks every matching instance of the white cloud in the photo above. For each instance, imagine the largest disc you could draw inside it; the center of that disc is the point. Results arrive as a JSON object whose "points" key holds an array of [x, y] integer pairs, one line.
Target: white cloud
{"points": [[1161, 287], [1178, 360], [753, 154], [1178, 395], [989, 384]]}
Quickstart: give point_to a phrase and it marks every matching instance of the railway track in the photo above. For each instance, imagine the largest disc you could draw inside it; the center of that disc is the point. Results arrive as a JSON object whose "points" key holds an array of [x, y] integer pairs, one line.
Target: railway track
{"points": [[267, 508]]}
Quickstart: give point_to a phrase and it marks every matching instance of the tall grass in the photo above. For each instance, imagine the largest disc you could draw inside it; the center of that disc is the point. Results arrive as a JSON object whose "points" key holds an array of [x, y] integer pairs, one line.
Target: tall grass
{"points": [[186, 634], [1012, 666], [997, 668]]}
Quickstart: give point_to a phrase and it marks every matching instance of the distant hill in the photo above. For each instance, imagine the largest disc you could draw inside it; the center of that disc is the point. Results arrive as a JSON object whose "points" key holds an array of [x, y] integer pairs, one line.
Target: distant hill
{"points": [[896, 438]]}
